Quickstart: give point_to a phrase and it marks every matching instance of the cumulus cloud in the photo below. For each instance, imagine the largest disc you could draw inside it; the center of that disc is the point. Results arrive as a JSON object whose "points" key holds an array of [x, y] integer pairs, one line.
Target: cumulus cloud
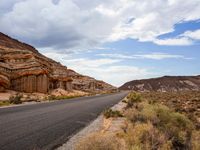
{"points": [[193, 34], [154, 56], [83, 24], [187, 38]]}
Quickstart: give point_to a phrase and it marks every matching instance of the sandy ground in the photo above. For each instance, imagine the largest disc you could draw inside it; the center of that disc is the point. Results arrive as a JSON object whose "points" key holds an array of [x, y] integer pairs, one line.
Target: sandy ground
{"points": [[61, 92], [4, 96]]}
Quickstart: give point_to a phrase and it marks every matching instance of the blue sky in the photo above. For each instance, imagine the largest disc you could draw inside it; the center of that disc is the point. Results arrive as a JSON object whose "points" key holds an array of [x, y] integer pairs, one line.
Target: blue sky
{"points": [[111, 40]]}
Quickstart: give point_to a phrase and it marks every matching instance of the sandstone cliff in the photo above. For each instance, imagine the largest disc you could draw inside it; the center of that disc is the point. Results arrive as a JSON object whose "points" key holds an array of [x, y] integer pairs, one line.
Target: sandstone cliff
{"points": [[164, 84], [24, 69]]}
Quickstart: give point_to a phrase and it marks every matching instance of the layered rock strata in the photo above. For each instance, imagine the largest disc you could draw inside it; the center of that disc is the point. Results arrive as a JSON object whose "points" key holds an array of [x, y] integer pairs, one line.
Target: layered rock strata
{"points": [[24, 69]]}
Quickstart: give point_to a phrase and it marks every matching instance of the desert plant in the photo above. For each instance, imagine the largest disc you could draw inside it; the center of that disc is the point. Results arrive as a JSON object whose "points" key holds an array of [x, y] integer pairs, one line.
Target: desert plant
{"points": [[134, 116], [4, 103], [108, 113], [144, 113], [99, 142], [133, 98], [15, 99], [144, 136], [176, 127], [124, 101]]}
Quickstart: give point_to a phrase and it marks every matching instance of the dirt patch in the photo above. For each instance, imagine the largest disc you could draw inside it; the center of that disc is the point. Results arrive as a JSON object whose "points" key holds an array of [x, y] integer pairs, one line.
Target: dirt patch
{"points": [[61, 92]]}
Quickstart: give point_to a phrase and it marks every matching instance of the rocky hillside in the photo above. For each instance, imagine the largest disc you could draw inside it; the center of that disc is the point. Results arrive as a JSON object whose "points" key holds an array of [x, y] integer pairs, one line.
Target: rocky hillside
{"points": [[163, 84], [24, 69]]}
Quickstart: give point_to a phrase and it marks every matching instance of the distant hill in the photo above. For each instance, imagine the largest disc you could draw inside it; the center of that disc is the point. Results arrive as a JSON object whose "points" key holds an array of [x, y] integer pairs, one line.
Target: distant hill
{"points": [[164, 84], [24, 69]]}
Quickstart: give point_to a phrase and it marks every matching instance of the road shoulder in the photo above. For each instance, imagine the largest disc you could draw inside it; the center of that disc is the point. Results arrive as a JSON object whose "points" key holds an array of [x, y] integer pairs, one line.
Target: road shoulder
{"points": [[101, 124]]}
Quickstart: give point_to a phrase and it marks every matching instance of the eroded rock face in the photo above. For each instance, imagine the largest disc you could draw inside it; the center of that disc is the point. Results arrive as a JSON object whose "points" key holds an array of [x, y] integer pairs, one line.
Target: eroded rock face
{"points": [[24, 69], [165, 84]]}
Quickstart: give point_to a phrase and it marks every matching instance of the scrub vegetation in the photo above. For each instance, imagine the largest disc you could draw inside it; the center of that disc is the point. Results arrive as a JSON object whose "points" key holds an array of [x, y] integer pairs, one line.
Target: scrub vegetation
{"points": [[151, 123]]}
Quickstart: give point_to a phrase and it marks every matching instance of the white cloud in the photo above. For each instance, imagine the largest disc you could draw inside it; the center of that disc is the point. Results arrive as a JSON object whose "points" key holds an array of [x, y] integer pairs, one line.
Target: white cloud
{"points": [[154, 56], [154, 18], [82, 24], [184, 39], [193, 34], [174, 41], [102, 69], [118, 74], [160, 56], [92, 63], [80, 62], [120, 56]]}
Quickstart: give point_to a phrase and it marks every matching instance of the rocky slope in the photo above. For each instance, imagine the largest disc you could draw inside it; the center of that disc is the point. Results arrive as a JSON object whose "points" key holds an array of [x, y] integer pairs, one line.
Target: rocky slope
{"points": [[24, 69], [164, 84]]}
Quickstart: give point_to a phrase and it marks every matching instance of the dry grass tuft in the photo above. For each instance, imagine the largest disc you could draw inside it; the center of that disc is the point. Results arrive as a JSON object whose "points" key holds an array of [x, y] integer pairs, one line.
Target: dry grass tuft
{"points": [[99, 142], [144, 136]]}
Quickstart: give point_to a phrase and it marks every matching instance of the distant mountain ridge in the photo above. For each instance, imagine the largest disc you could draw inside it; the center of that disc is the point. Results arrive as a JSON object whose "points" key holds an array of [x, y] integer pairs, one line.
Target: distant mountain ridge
{"points": [[164, 84], [24, 69]]}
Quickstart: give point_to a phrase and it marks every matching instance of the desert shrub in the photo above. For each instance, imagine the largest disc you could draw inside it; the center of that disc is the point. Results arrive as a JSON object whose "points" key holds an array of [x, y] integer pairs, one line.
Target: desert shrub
{"points": [[186, 102], [143, 136], [108, 113], [144, 113], [4, 103], [135, 116], [176, 127], [195, 140], [124, 101], [133, 98], [51, 97], [99, 142], [15, 99]]}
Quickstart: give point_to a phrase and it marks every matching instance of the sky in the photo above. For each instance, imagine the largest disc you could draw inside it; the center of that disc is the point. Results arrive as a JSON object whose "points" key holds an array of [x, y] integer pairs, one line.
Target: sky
{"points": [[111, 40]]}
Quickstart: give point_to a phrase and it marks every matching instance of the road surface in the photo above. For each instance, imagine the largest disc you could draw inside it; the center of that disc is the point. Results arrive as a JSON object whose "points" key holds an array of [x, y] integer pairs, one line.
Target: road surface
{"points": [[48, 125]]}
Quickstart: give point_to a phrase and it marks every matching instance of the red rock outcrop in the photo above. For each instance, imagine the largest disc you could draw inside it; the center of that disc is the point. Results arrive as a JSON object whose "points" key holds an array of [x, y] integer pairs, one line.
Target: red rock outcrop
{"points": [[24, 69]]}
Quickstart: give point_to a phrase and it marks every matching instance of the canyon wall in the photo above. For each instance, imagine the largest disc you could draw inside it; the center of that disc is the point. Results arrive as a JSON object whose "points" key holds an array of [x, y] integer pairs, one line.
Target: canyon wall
{"points": [[24, 69]]}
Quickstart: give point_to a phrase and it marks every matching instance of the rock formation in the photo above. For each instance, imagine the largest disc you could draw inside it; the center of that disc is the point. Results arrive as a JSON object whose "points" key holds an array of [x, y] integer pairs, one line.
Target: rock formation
{"points": [[165, 84], [24, 69]]}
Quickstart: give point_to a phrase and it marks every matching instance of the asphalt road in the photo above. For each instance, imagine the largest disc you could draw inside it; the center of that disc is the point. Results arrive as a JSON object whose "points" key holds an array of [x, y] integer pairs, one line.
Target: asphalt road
{"points": [[48, 125]]}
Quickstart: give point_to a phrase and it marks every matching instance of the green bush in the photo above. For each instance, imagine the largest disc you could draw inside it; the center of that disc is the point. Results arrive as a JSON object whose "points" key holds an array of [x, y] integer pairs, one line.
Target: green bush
{"points": [[15, 99], [144, 136], [133, 98], [176, 127], [108, 113], [51, 97], [135, 116], [144, 113]]}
